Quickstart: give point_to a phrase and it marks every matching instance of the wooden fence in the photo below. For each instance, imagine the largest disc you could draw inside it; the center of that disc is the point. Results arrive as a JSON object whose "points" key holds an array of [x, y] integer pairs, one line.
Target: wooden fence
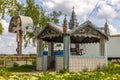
{"points": [[11, 60]]}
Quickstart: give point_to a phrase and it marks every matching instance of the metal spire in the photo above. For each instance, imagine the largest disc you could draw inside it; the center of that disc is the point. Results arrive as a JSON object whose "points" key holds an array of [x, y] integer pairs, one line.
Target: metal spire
{"points": [[73, 21], [106, 28], [65, 20]]}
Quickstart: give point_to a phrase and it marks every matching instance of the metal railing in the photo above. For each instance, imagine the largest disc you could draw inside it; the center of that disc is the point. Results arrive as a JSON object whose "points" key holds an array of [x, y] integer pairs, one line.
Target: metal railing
{"points": [[14, 59]]}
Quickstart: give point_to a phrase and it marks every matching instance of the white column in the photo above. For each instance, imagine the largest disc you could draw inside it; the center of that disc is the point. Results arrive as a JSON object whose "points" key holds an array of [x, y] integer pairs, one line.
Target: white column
{"points": [[39, 55], [102, 47], [66, 42], [39, 47], [106, 53]]}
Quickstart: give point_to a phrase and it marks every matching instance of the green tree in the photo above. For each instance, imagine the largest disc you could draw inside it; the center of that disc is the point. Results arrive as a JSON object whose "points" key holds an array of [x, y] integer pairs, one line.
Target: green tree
{"points": [[39, 18], [31, 9], [4, 6], [1, 29]]}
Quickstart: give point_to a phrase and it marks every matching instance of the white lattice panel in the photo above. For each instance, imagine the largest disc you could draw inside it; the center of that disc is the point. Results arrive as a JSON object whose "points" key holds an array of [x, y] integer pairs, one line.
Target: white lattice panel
{"points": [[39, 63], [59, 63], [78, 64]]}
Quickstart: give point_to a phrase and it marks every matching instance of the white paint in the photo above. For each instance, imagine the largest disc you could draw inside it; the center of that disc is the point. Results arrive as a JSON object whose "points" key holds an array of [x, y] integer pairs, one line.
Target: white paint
{"points": [[27, 24], [91, 49], [113, 48]]}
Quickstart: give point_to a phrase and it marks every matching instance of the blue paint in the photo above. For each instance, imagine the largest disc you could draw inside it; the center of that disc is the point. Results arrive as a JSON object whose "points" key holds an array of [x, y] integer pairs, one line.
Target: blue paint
{"points": [[61, 52], [45, 53]]}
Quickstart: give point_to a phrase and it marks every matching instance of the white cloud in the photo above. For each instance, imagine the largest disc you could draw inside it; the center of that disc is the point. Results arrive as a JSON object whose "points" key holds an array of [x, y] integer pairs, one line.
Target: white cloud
{"points": [[112, 30], [82, 7], [107, 12], [116, 3]]}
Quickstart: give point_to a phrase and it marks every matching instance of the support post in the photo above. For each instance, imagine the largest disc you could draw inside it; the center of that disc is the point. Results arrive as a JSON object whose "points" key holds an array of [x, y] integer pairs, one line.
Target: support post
{"points": [[66, 42], [106, 53], [39, 47], [19, 39], [102, 47], [103, 50], [77, 48], [39, 55], [52, 48], [19, 45], [49, 49]]}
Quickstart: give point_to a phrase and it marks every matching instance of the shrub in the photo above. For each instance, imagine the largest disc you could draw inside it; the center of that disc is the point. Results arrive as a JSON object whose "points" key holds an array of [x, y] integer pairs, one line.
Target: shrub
{"points": [[34, 62], [102, 68], [64, 70], [15, 64], [4, 73], [85, 69], [98, 68]]}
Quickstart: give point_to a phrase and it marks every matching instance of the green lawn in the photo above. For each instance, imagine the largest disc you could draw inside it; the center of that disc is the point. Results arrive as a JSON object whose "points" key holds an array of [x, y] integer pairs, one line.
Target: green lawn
{"points": [[110, 73], [24, 68]]}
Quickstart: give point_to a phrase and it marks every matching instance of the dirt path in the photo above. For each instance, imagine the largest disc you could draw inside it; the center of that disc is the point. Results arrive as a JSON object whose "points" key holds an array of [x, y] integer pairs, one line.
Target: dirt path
{"points": [[36, 72]]}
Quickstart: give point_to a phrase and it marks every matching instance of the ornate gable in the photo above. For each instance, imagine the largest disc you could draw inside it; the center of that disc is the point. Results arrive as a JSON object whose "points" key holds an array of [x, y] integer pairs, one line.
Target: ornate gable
{"points": [[49, 31], [88, 29]]}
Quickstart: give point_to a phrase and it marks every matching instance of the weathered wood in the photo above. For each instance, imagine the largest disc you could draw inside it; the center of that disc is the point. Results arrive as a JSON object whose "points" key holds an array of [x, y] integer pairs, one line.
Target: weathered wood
{"points": [[77, 48], [49, 49]]}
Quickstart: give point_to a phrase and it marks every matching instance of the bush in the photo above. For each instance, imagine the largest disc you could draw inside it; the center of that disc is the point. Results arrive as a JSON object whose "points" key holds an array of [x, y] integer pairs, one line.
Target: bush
{"points": [[102, 68], [15, 64], [85, 69], [64, 70], [98, 68], [34, 62], [4, 73]]}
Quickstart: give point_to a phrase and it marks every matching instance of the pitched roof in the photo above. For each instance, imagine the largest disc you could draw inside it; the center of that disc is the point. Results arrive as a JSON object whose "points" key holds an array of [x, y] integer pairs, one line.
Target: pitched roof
{"points": [[50, 30], [85, 33], [89, 28]]}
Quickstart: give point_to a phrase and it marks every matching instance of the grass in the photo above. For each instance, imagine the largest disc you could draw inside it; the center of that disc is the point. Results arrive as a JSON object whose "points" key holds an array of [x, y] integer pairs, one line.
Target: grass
{"points": [[110, 73], [24, 68]]}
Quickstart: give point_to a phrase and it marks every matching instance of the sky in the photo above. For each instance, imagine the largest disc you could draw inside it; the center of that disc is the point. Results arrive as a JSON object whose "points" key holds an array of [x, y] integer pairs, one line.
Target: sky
{"points": [[97, 11], [101, 10]]}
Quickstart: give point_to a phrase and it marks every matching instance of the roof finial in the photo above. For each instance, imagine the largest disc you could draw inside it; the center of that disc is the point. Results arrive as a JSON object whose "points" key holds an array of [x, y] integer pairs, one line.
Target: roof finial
{"points": [[106, 28], [106, 22], [65, 24], [65, 20], [73, 8]]}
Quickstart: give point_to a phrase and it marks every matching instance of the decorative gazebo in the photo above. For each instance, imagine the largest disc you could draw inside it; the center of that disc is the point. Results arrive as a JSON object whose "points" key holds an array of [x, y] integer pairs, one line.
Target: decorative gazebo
{"points": [[72, 59]]}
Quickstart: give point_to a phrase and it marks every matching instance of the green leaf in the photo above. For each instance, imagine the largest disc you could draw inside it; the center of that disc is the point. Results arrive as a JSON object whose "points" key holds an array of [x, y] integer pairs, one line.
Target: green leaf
{"points": [[1, 29]]}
